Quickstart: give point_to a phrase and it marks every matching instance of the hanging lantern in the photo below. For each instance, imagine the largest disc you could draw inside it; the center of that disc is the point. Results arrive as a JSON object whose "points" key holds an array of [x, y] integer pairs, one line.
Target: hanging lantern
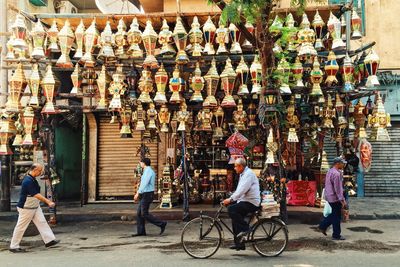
{"points": [[270, 100], [120, 40], [204, 118], [356, 23], [49, 86], [38, 35], [134, 38], [106, 53], [196, 38], [90, 41], [76, 78], [228, 77], [212, 80], [19, 32], [256, 74], [19, 129], [331, 69], [306, 37], [276, 26], [183, 117], [240, 117], [360, 118], [28, 121], [292, 136], [340, 109], [318, 25], [132, 79], [221, 38], [165, 39], [292, 121], [7, 130], [209, 35], [284, 70], [117, 88], [335, 29], [242, 71], [379, 121], [297, 71], [149, 38], [34, 84], [246, 44], [180, 38], [176, 85], [328, 113], [219, 121], [145, 87], [10, 48], [235, 37], [126, 116], [352, 126], [197, 85], [324, 162], [17, 84], [161, 79], [139, 116], [79, 35], [372, 64], [272, 148], [292, 39], [53, 37], [151, 117], [164, 116], [252, 112], [66, 39], [89, 79], [348, 74], [102, 84]]}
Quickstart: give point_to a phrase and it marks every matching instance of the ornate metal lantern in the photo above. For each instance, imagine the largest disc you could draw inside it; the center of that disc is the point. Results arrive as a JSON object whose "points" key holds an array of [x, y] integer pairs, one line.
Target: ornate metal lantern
{"points": [[38, 35], [79, 34], [335, 29], [316, 76], [17, 84], [76, 78], [360, 118], [183, 117], [34, 84], [132, 79], [297, 71], [66, 39], [102, 83], [90, 41], [28, 121], [235, 37], [256, 74], [284, 70], [49, 86], [219, 121], [379, 120], [53, 37], [139, 116], [209, 35], [19, 32], [161, 79], [356, 23], [180, 38], [149, 38], [221, 38], [165, 39], [204, 118], [341, 120], [348, 74], [117, 88], [242, 71], [212, 80], [252, 113], [164, 116], [272, 146], [106, 53], [246, 44], [240, 117], [176, 85], [151, 117], [372, 64], [228, 77], [196, 38], [328, 113], [120, 39], [331, 69], [318, 25], [197, 84], [306, 37], [145, 87], [134, 38], [270, 100], [126, 116], [7, 130]]}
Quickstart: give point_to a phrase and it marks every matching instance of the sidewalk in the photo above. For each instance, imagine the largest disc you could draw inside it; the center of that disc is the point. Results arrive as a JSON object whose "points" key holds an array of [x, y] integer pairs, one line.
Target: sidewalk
{"points": [[360, 209]]}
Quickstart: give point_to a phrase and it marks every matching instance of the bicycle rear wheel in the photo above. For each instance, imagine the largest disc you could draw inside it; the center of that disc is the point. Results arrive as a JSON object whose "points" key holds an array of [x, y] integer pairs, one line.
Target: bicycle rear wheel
{"points": [[201, 237], [270, 237]]}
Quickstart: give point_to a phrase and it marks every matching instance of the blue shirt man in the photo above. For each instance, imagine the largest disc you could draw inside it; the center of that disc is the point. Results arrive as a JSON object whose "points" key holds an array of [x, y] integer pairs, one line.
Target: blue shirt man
{"points": [[147, 180]]}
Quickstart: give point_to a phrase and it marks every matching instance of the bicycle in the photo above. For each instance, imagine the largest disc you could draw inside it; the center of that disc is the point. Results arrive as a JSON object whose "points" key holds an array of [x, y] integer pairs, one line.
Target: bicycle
{"points": [[202, 236]]}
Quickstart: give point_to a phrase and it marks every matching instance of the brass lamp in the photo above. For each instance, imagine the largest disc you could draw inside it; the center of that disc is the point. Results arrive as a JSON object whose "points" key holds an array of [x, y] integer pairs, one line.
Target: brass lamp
{"points": [[242, 71], [126, 116], [197, 85], [176, 85], [360, 118], [219, 121], [180, 38], [318, 25], [117, 88], [102, 84], [90, 41], [235, 37], [120, 39], [341, 120], [356, 23], [38, 35], [17, 84], [209, 35], [228, 77], [221, 38], [256, 73], [76, 78], [149, 38], [19, 32], [196, 38], [34, 84], [28, 121], [165, 39], [138, 116], [335, 29], [134, 38], [79, 34], [328, 113], [106, 53], [212, 80], [161, 79], [48, 85], [145, 87], [297, 71], [183, 117], [53, 37], [66, 39], [379, 121], [316, 76], [164, 116], [348, 74], [372, 64], [331, 69]]}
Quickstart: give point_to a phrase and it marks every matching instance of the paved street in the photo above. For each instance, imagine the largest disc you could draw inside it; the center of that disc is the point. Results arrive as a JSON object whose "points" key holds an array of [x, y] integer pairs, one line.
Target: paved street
{"points": [[369, 243]]}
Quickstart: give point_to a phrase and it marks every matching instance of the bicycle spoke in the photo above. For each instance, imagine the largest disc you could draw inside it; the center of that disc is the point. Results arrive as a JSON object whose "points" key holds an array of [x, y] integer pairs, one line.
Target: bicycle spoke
{"points": [[269, 238]]}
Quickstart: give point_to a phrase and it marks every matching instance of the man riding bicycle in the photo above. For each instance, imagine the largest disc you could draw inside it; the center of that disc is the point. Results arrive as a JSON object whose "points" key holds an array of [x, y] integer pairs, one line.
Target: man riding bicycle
{"points": [[245, 200]]}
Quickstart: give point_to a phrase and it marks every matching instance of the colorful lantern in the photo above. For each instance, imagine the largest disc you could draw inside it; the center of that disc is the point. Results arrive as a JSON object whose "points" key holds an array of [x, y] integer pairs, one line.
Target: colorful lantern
{"points": [[240, 117], [49, 85], [318, 25], [219, 121], [204, 120], [139, 116], [134, 38], [79, 35], [297, 71], [145, 87], [164, 117], [284, 70], [235, 37], [106, 53], [256, 74], [90, 41], [291, 46], [356, 23], [212, 80], [246, 44], [151, 117], [28, 121], [335, 29], [19, 32], [379, 121], [66, 39], [76, 78], [149, 38], [161, 79], [348, 74], [197, 85], [7, 130], [132, 79], [180, 38], [316, 76], [331, 69], [328, 113], [53, 37], [17, 85], [372, 64], [176, 85], [242, 71], [306, 37], [228, 77], [102, 84], [117, 88], [183, 117], [360, 118], [126, 116], [196, 38], [272, 148], [120, 39], [38, 35], [10, 48], [221, 38], [34, 85], [165, 39], [209, 35]]}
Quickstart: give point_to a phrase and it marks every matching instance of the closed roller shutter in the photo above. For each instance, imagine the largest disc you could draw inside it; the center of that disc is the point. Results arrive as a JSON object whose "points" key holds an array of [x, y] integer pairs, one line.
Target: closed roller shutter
{"points": [[117, 160]]}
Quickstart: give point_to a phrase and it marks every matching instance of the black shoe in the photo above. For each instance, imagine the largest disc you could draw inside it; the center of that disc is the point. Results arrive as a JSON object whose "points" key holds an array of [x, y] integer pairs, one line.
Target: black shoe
{"points": [[135, 235], [243, 234], [52, 243], [17, 250], [321, 231], [163, 228], [238, 247], [341, 238]]}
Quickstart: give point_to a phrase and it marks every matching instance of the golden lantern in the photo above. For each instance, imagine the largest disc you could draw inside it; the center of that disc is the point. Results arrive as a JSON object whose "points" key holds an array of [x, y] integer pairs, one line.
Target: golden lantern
{"points": [[90, 40], [341, 119], [328, 113], [152, 117], [324, 162], [252, 113], [209, 35], [297, 71], [316, 76], [221, 38], [180, 38], [149, 38], [204, 118], [356, 23], [359, 118], [306, 38], [117, 88], [246, 44], [352, 126], [235, 37], [212, 80], [19, 32], [256, 74], [242, 71], [161, 79], [335, 30], [134, 38], [240, 117], [270, 100], [284, 70], [372, 64], [126, 116], [272, 148], [291, 46], [292, 121], [145, 86], [183, 117], [228, 77], [76, 78], [196, 38], [49, 85], [138, 116], [165, 39], [348, 74], [197, 85], [34, 84], [106, 53], [66, 39], [120, 40], [164, 116], [331, 69], [219, 121], [318, 25], [18, 129], [38, 35], [28, 121], [53, 37], [102, 84], [79, 34], [7, 130], [176, 85], [379, 121], [17, 84]]}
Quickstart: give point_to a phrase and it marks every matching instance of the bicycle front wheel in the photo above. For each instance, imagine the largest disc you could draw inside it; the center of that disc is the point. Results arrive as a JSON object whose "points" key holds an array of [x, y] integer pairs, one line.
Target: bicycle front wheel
{"points": [[201, 237], [270, 237]]}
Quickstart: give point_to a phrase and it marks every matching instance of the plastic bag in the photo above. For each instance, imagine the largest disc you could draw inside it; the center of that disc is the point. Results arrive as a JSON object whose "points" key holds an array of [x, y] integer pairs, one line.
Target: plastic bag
{"points": [[327, 209]]}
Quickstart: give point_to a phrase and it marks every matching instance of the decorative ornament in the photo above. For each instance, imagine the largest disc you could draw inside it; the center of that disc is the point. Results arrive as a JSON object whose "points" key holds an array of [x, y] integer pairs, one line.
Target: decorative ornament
{"points": [[212, 80], [204, 117], [139, 116], [152, 117], [331, 69], [250, 28], [90, 41], [306, 37], [228, 77], [372, 64], [102, 84], [165, 39], [76, 78], [126, 116], [240, 117], [209, 30], [360, 118], [242, 71], [28, 121], [252, 114], [145, 86], [48, 85], [106, 53], [219, 121], [66, 39], [297, 71], [256, 74], [176, 85], [197, 85], [117, 88], [356, 23], [379, 121], [183, 117], [161, 79], [16, 85], [53, 37], [19, 32], [348, 74], [272, 148], [134, 38], [180, 38], [328, 113], [38, 35], [284, 70], [235, 37], [335, 29], [149, 38], [34, 84], [318, 25], [164, 116], [120, 40], [196, 38], [221, 38]]}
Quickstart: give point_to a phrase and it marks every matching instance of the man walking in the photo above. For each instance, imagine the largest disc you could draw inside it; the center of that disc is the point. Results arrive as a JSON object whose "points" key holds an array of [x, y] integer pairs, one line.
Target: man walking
{"points": [[29, 210], [334, 196], [145, 195]]}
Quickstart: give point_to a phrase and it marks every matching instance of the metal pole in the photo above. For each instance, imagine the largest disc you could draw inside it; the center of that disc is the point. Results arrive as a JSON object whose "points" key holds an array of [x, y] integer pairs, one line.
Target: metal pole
{"points": [[185, 181], [348, 25], [84, 161], [3, 72], [5, 203]]}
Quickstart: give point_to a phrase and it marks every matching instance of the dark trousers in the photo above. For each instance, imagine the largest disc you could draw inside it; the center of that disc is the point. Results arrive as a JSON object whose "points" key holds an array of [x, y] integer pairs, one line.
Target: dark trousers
{"points": [[238, 212], [143, 214], [333, 219]]}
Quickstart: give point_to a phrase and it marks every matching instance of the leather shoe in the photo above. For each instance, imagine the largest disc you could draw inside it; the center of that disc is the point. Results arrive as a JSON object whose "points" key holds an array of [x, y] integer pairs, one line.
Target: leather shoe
{"points": [[52, 243], [163, 228], [17, 250], [341, 238], [236, 247], [135, 235], [321, 231]]}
